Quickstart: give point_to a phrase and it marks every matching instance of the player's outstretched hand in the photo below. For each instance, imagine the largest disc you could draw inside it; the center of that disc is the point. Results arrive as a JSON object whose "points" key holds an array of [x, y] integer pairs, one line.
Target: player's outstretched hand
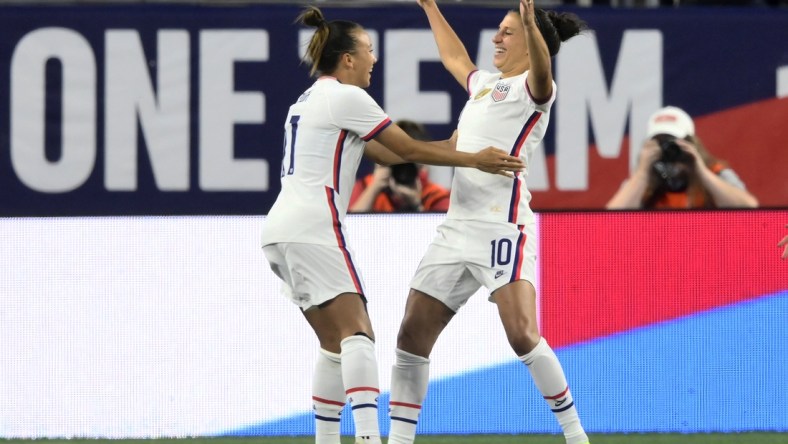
{"points": [[497, 161], [425, 3], [527, 10], [784, 243]]}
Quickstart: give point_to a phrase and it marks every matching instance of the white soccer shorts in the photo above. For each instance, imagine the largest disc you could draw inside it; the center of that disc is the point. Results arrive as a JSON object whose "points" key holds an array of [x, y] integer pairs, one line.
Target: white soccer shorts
{"points": [[314, 274], [466, 255]]}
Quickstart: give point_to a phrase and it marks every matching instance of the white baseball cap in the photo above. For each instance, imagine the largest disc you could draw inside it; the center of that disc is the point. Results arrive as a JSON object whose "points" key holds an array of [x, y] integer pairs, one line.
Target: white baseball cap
{"points": [[670, 120]]}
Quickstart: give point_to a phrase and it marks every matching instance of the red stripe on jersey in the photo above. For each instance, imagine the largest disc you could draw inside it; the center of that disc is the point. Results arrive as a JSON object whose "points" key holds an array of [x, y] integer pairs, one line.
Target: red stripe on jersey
{"points": [[405, 404], [518, 254], [381, 126], [560, 395], [328, 401], [362, 389], [526, 131], [341, 241], [338, 157], [335, 217], [514, 203]]}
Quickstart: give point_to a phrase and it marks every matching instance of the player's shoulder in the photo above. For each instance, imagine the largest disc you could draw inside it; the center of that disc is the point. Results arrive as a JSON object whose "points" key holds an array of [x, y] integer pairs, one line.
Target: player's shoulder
{"points": [[345, 96], [351, 91], [483, 76]]}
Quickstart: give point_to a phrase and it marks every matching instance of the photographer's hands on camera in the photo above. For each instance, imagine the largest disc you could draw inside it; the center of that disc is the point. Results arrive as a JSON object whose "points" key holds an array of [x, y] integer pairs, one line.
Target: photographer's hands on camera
{"points": [[689, 148], [651, 152], [380, 178], [409, 194]]}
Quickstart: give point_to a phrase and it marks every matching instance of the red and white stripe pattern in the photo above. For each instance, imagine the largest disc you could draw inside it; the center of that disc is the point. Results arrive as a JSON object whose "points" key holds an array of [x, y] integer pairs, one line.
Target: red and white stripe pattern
{"points": [[560, 402]]}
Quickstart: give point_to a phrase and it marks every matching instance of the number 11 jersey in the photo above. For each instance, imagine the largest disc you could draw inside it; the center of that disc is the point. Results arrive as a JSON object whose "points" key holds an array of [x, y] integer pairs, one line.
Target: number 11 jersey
{"points": [[326, 131]]}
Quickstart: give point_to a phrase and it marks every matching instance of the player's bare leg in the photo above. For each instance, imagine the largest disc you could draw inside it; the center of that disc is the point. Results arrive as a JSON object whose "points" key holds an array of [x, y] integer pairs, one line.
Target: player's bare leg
{"points": [[343, 328], [424, 320], [517, 309]]}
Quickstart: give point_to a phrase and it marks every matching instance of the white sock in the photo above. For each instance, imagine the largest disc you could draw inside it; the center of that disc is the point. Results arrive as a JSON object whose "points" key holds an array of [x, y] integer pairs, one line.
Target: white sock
{"points": [[409, 380], [360, 376], [549, 378], [328, 397]]}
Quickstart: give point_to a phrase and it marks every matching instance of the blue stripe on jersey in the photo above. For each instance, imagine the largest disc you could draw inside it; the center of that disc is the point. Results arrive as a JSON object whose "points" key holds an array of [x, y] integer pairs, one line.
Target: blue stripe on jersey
{"points": [[514, 202], [338, 157], [524, 132], [518, 255], [381, 126], [341, 240]]}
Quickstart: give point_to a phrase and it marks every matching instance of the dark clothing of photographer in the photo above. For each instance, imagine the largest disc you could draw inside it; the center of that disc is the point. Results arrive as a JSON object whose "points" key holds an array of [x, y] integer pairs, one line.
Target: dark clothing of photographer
{"points": [[676, 171]]}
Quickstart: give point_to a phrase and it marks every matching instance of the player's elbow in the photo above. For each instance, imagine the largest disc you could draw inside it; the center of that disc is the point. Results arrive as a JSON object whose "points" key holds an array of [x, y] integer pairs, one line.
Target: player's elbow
{"points": [[409, 154]]}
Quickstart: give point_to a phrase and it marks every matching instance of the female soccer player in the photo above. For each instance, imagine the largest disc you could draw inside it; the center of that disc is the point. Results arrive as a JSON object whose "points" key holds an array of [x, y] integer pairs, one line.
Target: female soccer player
{"points": [[304, 238], [488, 235]]}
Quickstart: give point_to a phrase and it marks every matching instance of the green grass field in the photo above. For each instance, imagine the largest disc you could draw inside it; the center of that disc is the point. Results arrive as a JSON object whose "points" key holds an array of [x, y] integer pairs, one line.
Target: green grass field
{"points": [[666, 438]]}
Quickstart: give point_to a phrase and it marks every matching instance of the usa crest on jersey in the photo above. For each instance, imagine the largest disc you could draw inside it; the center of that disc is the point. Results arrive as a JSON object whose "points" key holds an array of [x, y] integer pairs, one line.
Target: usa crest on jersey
{"points": [[500, 91]]}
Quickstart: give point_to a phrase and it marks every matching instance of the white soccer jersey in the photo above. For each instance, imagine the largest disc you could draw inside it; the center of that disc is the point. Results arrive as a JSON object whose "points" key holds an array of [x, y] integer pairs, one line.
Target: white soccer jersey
{"points": [[325, 134], [501, 113]]}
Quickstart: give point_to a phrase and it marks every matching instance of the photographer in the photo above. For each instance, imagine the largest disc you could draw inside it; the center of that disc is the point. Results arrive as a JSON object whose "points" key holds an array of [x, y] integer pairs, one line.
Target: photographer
{"points": [[676, 171], [403, 187]]}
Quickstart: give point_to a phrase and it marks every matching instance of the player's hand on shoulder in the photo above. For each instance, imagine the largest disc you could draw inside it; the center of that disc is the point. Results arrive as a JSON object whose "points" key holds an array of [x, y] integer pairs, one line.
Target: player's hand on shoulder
{"points": [[497, 161]]}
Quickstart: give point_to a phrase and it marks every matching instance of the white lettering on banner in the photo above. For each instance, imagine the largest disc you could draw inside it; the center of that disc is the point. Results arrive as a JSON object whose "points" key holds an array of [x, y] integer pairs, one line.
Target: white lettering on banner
{"points": [[221, 108], [163, 115], [635, 93], [162, 108], [403, 98], [782, 81], [28, 105], [163, 118]]}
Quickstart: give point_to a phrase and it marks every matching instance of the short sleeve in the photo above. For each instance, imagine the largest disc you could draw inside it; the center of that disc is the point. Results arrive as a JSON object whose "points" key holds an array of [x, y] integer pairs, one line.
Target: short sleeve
{"points": [[354, 110], [542, 105], [477, 79]]}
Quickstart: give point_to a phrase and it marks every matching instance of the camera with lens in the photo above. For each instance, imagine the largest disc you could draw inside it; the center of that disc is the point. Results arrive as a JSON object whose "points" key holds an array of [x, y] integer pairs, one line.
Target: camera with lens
{"points": [[671, 151], [405, 174], [673, 165]]}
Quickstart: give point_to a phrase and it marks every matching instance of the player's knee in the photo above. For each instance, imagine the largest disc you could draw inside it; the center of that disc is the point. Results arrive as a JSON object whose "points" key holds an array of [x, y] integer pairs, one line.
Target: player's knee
{"points": [[523, 341], [409, 341], [405, 340]]}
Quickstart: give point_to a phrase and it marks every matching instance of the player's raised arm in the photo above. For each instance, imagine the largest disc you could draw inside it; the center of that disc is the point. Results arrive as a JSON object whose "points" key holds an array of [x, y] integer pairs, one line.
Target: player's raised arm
{"points": [[540, 75], [453, 54]]}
